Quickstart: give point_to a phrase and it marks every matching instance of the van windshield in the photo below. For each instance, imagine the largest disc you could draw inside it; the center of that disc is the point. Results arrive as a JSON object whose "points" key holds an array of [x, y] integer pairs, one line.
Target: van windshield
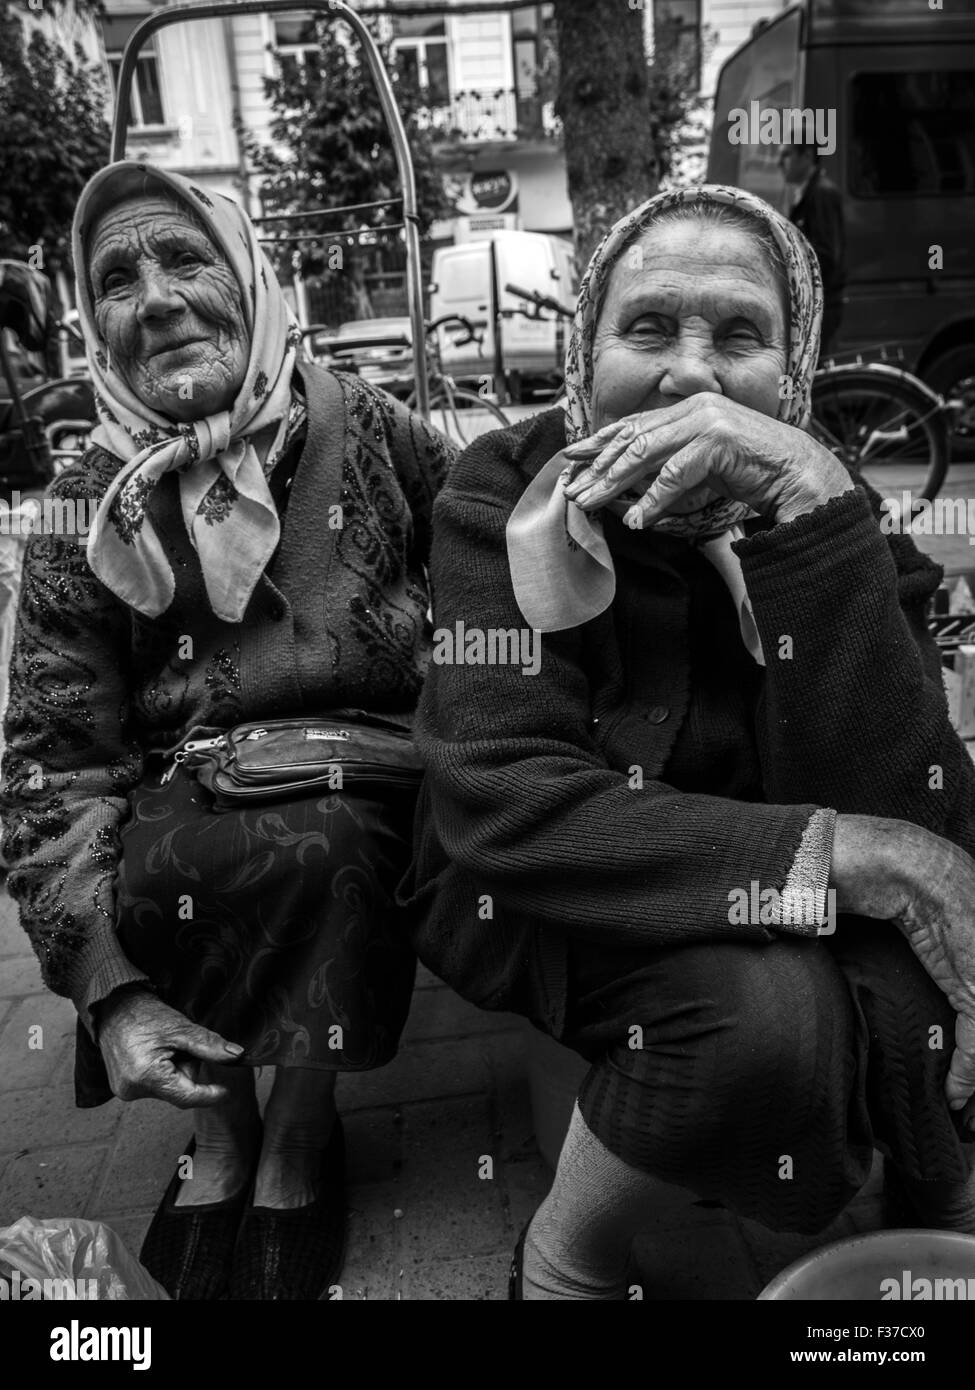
{"points": [[464, 275], [913, 134]]}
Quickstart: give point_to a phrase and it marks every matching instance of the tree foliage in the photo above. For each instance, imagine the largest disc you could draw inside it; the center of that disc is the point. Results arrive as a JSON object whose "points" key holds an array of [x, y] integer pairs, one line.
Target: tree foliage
{"points": [[604, 104], [329, 147], [54, 137], [680, 118]]}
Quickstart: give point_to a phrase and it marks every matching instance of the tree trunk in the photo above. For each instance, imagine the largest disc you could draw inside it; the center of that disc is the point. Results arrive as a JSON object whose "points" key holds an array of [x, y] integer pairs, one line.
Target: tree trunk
{"points": [[604, 103]]}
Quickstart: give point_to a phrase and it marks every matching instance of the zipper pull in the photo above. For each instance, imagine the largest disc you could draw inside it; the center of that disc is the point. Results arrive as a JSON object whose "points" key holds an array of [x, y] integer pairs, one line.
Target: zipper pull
{"points": [[194, 746], [170, 772]]}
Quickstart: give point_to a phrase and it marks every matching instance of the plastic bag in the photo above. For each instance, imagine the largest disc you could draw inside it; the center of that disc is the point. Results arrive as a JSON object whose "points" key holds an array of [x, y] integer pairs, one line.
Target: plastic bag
{"points": [[65, 1258]]}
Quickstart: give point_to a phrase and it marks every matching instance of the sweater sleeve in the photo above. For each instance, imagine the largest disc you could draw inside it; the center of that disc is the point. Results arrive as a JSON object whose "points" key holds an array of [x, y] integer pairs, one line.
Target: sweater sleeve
{"points": [[68, 765], [521, 795], [854, 714]]}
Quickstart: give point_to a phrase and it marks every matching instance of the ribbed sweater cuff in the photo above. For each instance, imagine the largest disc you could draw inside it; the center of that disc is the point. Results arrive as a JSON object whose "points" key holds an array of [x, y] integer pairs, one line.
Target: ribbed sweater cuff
{"points": [[98, 970], [803, 905], [782, 559]]}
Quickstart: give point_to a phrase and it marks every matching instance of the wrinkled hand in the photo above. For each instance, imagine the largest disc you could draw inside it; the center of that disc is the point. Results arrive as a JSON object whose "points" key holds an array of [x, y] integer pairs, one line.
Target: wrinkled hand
{"points": [[926, 886], [151, 1050], [703, 445]]}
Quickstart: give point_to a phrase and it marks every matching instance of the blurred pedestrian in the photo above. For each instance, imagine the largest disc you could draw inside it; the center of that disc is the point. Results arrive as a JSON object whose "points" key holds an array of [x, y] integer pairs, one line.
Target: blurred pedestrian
{"points": [[817, 210]]}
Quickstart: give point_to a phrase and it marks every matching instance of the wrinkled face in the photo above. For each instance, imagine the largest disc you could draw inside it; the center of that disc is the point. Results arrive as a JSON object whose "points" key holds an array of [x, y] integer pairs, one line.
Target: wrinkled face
{"points": [[689, 307], [168, 308]]}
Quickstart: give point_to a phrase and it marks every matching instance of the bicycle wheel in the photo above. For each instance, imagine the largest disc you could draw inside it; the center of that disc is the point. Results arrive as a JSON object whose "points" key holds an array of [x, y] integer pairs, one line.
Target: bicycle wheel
{"points": [[884, 424], [462, 415]]}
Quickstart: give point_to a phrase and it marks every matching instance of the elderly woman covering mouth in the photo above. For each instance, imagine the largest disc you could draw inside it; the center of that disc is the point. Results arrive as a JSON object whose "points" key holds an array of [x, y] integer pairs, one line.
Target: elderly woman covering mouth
{"points": [[215, 588], [738, 709]]}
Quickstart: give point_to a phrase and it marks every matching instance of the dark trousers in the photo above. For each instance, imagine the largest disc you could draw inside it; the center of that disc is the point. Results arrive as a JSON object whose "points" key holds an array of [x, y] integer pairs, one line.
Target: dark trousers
{"points": [[763, 1076]]}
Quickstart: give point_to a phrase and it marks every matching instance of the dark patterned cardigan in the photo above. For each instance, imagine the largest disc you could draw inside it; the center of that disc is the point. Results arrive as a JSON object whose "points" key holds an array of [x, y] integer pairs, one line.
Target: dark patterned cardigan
{"points": [[338, 618]]}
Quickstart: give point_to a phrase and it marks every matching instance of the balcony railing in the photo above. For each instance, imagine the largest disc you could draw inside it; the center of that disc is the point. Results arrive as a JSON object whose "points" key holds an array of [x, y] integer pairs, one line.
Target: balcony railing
{"points": [[493, 115]]}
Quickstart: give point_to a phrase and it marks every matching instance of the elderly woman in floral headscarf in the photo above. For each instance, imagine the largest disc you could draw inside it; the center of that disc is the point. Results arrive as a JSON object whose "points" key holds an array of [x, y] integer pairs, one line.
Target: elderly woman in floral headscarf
{"points": [[738, 724], [215, 587]]}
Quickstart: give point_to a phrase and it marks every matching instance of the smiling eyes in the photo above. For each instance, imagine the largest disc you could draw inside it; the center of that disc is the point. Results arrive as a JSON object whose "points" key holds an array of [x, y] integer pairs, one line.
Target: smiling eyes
{"points": [[120, 276], [737, 331]]}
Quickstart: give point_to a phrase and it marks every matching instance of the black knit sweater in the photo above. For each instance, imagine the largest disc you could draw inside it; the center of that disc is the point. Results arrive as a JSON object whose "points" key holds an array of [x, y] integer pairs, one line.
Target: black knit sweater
{"points": [[532, 825]]}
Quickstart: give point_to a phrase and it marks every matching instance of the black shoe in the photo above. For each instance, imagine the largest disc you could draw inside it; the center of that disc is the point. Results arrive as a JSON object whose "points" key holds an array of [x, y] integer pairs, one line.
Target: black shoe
{"points": [[295, 1252], [189, 1249], [515, 1273]]}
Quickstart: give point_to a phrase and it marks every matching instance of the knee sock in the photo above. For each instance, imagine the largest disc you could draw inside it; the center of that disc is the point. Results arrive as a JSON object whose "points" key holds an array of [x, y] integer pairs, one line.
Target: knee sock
{"points": [[578, 1244]]}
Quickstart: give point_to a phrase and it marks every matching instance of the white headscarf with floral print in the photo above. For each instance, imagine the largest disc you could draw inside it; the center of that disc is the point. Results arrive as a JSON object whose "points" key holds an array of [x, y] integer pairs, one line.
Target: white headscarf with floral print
{"points": [[226, 502], [561, 567]]}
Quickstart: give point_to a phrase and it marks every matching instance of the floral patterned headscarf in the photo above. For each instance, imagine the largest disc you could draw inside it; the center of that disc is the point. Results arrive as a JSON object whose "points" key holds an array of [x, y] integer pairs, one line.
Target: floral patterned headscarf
{"points": [[561, 568], [226, 502]]}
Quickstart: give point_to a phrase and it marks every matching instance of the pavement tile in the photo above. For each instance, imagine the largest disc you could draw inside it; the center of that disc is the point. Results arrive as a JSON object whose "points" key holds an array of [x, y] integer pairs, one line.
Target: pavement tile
{"points": [[151, 1137], [444, 1142], [526, 1181], [419, 1072], [713, 1265], [373, 1145], [439, 1013], [446, 1206], [438, 1225], [20, 975], [371, 1265], [46, 1117], [23, 1066], [508, 1060], [50, 1182], [474, 1279]]}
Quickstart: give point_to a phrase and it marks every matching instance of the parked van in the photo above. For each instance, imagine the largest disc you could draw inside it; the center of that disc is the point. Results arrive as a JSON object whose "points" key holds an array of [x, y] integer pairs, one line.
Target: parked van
{"points": [[470, 278], [897, 79]]}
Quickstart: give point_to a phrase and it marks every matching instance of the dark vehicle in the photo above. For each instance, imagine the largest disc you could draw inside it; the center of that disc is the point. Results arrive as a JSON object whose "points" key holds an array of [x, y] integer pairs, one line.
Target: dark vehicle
{"points": [[43, 422], [897, 78]]}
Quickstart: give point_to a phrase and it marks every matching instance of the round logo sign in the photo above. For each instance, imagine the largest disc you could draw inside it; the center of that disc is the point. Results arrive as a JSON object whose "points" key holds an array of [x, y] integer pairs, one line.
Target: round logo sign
{"points": [[494, 190]]}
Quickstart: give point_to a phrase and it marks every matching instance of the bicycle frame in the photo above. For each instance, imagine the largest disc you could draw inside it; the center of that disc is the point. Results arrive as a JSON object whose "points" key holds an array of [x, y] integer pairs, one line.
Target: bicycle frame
{"points": [[331, 9]]}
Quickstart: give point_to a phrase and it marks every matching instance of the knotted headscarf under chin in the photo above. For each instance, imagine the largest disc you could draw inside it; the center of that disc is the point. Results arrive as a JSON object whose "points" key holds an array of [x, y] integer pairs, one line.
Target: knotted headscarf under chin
{"points": [[561, 567], [225, 499]]}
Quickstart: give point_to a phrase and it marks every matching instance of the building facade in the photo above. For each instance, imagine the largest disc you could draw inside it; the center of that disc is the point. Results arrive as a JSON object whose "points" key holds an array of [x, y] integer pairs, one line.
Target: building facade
{"points": [[490, 80]]}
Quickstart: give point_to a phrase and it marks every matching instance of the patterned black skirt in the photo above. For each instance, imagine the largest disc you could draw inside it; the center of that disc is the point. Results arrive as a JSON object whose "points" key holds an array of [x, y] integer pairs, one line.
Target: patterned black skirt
{"points": [[275, 926]]}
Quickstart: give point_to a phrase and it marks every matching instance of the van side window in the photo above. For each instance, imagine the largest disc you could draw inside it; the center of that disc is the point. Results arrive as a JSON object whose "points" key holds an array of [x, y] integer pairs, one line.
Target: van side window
{"points": [[913, 133]]}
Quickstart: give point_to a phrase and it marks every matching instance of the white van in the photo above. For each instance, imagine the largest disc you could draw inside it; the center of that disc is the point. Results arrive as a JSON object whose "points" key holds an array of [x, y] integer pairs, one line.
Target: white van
{"points": [[532, 349]]}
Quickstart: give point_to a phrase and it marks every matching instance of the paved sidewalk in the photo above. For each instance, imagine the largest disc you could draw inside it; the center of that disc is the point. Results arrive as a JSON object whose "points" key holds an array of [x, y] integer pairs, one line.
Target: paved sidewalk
{"points": [[424, 1224]]}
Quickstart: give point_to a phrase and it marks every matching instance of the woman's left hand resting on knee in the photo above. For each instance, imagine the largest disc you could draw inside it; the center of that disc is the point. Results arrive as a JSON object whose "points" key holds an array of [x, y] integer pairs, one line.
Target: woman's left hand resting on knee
{"points": [[152, 1050], [893, 870], [680, 455]]}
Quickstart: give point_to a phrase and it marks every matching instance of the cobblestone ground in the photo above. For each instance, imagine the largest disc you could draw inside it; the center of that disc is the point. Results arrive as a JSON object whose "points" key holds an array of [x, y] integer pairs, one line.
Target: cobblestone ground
{"points": [[423, 1224]]}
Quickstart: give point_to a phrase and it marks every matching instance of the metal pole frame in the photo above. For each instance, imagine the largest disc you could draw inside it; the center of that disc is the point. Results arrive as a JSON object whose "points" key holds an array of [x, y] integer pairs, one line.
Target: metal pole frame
{"points": [[332, 9]]}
